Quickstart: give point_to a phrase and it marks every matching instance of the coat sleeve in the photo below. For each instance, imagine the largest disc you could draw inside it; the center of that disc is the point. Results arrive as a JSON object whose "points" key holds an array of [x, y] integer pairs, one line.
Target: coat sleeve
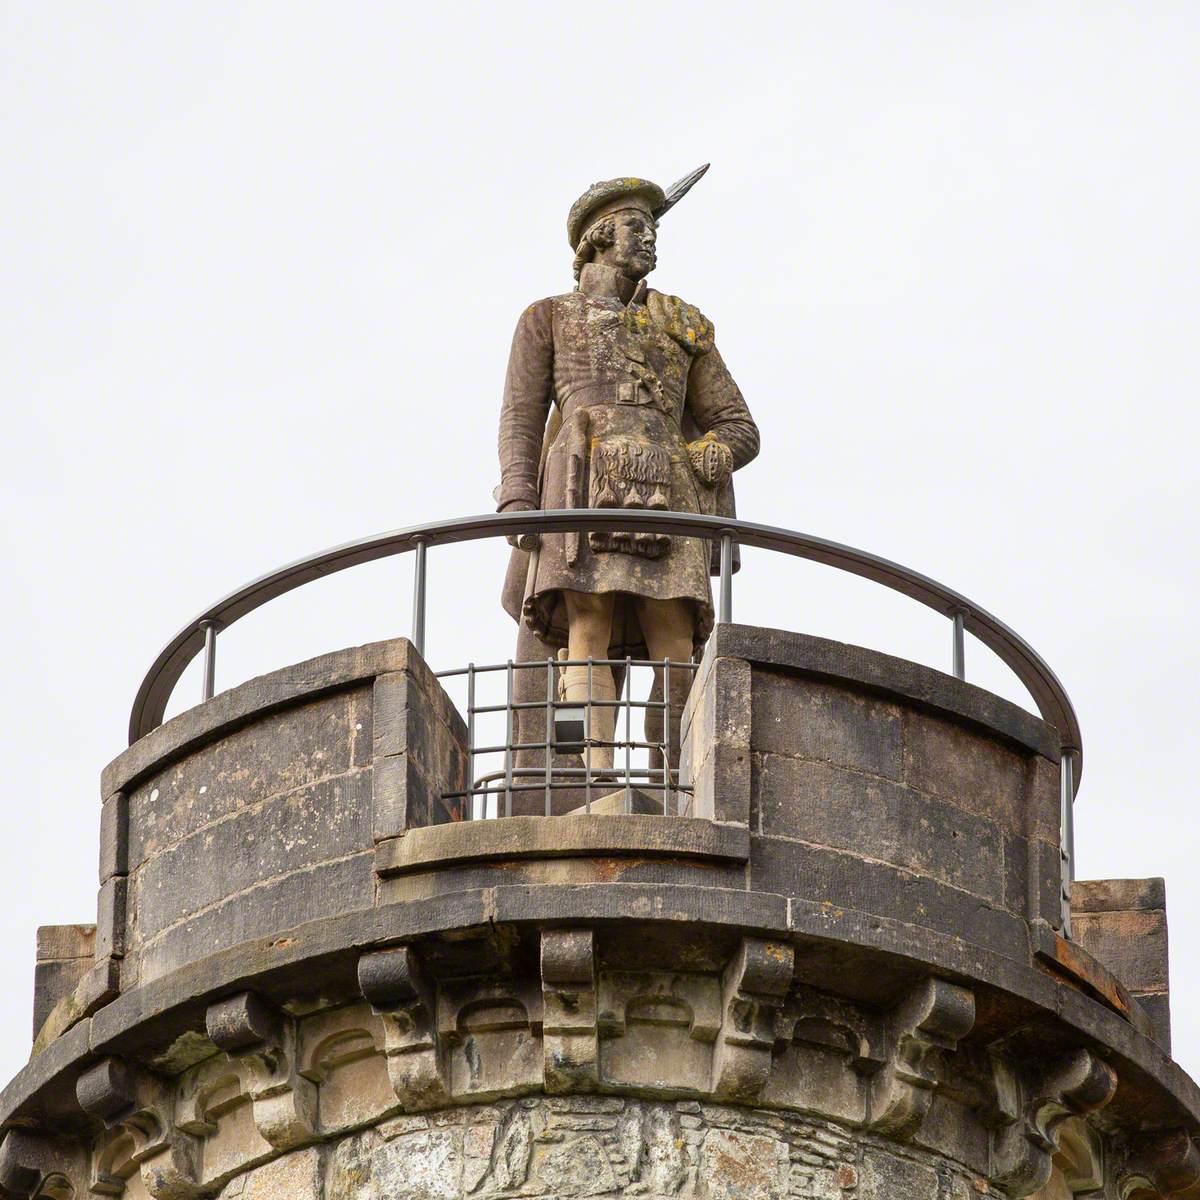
{"points": [[716, 405], [528, 390]]}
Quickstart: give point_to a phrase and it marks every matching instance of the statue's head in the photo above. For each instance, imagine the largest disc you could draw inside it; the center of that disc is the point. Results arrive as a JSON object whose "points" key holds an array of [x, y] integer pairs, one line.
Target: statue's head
{"points": [[623, 240], [615, 222]]}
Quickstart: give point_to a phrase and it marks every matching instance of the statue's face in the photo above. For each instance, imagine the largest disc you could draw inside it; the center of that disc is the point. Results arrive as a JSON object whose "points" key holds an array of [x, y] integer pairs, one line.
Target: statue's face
{"points": [[634, 238]]}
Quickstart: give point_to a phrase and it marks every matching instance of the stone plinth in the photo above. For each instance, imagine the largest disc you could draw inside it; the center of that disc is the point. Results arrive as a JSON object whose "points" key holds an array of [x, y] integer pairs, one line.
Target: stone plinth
{"points": [[841, 976]]}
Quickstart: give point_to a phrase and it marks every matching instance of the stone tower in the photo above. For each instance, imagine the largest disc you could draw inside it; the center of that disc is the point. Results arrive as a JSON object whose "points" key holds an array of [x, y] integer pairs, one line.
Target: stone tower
{"points": [[841, 974]]}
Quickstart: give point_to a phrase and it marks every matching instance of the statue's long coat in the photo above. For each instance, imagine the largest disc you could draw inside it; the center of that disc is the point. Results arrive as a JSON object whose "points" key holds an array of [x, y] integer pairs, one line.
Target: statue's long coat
{"points": [[634, 376]]}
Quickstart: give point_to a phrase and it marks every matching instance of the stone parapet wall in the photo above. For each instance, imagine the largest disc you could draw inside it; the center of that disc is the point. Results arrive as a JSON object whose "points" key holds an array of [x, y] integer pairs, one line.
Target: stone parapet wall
{"points": [[878, 784]]}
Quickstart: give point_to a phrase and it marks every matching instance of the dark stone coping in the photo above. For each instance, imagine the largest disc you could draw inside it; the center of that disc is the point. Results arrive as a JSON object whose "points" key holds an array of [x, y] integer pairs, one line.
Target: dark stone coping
{"points": [[568, 836], [229, 710], [1075, 962], [885, 675], [320, 959]]}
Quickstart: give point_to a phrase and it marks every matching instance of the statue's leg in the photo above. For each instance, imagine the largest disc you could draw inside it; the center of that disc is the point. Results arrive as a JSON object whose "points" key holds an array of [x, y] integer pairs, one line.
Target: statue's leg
{"points": [[669, 627], [529, 724], [589, 628]]}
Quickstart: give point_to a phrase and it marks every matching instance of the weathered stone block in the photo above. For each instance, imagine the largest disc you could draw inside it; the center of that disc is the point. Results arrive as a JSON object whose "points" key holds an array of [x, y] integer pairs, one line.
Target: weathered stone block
{"points": [[114, 836], [1043, 799], [809, 718], [1094, 896], [99, 984], [413, 715], [1032, 878], [888, 1177], [277, 754], [317, 823], [420, 752], [1132, 944], [715, 740], [295, 1176], [111, 918], [875, 818], [58, 943], [327, 889], [64, 956], [402, 797], [967, 768], [844, 880], [1123, 924], [739, 1165]]}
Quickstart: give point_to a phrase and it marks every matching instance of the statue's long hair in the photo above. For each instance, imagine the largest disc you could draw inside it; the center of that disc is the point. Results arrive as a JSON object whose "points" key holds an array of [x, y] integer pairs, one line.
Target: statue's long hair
{"points": [[599, 237]]}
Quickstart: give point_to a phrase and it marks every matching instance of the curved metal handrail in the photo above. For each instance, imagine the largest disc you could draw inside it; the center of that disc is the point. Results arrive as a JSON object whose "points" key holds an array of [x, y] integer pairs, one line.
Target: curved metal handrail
{"points": [[1018, 655]]}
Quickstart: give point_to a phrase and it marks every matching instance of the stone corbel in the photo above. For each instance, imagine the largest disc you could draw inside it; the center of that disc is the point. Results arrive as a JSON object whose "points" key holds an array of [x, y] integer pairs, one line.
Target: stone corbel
{"points": [[262, 1046], [1033, 1102], [1160, 1166], [932, 1018], [570, 1040], [754, 988], [136, 1108], [40, 1168], [398, 991]]}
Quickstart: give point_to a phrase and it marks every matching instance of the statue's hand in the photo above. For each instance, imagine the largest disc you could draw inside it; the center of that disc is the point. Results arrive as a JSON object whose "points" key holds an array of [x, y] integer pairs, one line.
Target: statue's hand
{"points": [[523, 541], [712, 461]]}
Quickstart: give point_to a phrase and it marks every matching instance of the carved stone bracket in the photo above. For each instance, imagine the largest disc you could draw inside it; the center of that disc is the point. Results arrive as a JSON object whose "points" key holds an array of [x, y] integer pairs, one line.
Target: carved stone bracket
{"points": [[932, 1018], [40, 1168], [136, 1110], [262, 1046], [754, 987], [1160, 1166], [570, 1040], [1033, 1101], [398, 990]]}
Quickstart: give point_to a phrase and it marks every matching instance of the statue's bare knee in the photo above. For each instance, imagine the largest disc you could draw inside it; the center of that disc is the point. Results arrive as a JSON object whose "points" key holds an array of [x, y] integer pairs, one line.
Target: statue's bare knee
{"points": [[669, 627], [589, 623]]}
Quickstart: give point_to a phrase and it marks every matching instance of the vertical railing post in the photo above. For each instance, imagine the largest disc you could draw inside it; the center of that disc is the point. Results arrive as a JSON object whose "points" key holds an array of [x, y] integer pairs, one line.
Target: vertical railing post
{"points": [[418, 616], [509, 726], [587, 744], [628, 732], [958, 620], [725, 609], [1067, 834], [667, 779], [471, 748], [549, 734], [209, 684]]}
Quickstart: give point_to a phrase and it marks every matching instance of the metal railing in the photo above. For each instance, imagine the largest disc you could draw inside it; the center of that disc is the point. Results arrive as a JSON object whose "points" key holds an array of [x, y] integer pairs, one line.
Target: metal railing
{"points": [[567, 732], [964, 615]]}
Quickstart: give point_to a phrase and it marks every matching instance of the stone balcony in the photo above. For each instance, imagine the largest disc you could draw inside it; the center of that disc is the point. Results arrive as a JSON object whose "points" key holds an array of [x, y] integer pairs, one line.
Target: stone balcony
{"points": [[891, 831]]}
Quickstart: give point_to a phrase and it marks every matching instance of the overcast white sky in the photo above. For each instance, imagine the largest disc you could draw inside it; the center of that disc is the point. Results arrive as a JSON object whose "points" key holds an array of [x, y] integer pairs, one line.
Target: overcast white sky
{"points": [[262, 263]]}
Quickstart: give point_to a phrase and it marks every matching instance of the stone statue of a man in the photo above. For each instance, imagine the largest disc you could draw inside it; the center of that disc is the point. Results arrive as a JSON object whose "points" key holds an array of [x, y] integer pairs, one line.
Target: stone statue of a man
{"points": [[643, 413]]}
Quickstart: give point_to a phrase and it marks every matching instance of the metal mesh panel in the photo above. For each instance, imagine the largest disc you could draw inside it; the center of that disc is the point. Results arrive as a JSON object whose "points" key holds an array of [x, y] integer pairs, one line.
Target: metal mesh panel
{"points": [[501, 740]]}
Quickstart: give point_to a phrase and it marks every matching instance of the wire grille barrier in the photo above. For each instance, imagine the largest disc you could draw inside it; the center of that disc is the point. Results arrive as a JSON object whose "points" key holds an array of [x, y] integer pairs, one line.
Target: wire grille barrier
{"points": [[507, 736]]}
